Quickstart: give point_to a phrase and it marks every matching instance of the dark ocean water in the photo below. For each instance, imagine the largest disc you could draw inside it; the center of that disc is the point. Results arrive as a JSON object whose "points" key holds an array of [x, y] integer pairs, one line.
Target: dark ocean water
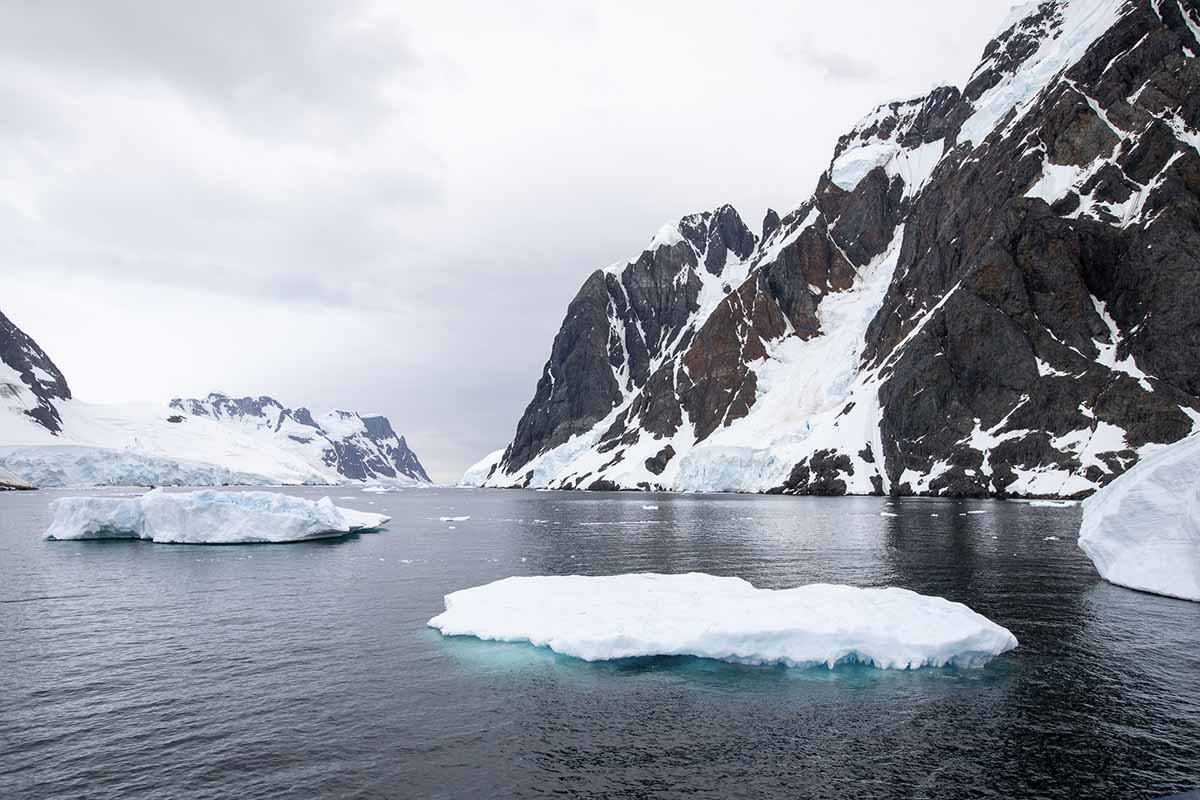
{"points": [[138, 670]]}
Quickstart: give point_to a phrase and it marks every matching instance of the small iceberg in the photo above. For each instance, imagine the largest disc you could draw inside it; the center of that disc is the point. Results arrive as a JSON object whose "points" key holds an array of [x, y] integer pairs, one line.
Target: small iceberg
{"points": [[1052, 503], [207, 517], [1142, 531], [625, 616], [454, 519], [649, 508]]}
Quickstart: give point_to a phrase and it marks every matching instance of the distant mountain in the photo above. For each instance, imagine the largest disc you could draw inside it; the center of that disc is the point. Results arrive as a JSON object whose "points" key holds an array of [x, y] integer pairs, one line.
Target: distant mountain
{"points": [[356, 447], [993, 291], [49, 439]]}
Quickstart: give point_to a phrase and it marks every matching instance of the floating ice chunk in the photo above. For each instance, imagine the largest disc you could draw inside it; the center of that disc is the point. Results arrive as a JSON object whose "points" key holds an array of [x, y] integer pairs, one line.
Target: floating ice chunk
{"points": [[206, 517], [887, 514], [380, 488], [1143, 529], [1052, 503], [1049, 538], [623, 616], [649, 508], [454, 519]]}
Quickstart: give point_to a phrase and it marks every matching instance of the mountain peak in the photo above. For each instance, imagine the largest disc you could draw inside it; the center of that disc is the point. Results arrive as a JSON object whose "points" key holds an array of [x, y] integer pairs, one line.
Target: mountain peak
{"points": [[979, 298]]}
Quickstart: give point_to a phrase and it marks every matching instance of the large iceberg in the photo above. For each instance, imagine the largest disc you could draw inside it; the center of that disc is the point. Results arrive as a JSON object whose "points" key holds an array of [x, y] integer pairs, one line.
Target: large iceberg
{"points": [[206, 517], [1143, 529], [623, 616]]}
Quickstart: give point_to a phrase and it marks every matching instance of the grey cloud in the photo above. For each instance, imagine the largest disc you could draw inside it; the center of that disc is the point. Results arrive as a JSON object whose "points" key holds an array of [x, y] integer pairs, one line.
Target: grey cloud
{"points": [[830, 63], [257, 59], [394, 203]]}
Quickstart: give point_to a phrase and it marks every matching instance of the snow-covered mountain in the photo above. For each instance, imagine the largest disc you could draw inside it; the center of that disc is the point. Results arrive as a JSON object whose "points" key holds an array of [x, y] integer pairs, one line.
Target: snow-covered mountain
{"points": [[992, 291], [49, 439]]}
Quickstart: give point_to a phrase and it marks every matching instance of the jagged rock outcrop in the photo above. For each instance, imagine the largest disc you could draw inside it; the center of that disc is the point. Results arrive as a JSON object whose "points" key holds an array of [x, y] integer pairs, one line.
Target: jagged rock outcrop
{"points": [[29, 380], [356, 447], [992, 291]]}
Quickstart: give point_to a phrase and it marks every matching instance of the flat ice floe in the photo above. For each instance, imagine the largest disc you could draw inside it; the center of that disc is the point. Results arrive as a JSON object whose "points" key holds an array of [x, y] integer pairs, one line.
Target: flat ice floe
{"points": [[624, 616], [206, 517], [1142, 531]]}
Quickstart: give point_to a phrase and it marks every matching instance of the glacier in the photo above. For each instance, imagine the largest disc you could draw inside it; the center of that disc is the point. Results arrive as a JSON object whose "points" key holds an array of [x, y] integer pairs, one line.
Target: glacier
{"points": [[481, 470], [206, 517], [1142, 531], [725, 618], [211, 442]]}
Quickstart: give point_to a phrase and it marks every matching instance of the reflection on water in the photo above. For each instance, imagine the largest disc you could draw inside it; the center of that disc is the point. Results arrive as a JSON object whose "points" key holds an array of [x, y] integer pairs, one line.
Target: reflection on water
{"points": [[142, 670]]}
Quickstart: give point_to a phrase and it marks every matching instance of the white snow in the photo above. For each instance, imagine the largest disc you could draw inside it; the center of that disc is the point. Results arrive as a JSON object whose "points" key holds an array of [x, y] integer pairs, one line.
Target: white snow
{"points": [[135, 444], [478, 472], [1108, 350], [1143, 529], [848, 169], [206, 517], [1056, 182], [1083, 21], [624, 616], [914, 165], [12, 479], [667, 235], [803, 388], [69, 465]]}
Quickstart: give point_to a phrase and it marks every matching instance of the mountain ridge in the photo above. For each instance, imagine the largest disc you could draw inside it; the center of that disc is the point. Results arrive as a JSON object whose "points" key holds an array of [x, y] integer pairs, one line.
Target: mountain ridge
{"points": [[1001, 228], [47, 438]]}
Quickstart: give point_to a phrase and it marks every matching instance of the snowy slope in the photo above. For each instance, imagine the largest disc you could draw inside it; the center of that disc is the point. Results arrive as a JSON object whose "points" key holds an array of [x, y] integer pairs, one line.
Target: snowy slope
{"points": [[988, 294], [47, 438], [193, 443]]}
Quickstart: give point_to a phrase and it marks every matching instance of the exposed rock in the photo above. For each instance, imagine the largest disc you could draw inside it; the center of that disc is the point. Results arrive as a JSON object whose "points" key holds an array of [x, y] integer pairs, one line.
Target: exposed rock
{"points": [[28, 378], [1025, 256]]}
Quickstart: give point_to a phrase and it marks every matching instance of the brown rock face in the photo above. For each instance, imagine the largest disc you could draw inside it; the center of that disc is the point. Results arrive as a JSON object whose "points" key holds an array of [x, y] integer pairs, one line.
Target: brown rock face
{"points": [[1041, 317]]}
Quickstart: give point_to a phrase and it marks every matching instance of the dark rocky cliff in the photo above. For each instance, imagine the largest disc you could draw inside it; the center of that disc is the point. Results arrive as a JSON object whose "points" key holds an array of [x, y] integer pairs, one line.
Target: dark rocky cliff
{"points": [[37, 382], [1038, 234]]}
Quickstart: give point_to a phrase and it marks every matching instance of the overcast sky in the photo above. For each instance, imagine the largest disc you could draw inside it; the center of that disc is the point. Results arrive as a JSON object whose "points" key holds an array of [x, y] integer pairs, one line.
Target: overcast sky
{"points": [[386, 207]]}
